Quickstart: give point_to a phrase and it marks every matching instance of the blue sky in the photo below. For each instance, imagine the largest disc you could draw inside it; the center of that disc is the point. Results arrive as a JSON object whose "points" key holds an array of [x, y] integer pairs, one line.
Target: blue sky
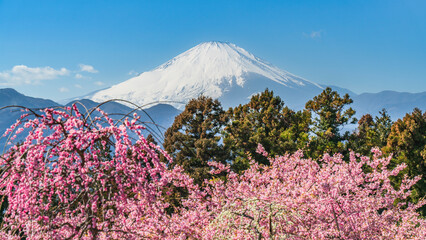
{"points": [[62, 49]]}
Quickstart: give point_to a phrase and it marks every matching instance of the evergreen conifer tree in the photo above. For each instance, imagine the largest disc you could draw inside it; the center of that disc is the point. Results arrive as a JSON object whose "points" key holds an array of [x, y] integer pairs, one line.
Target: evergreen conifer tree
{"points": [[194, 138], [330, 116], [264, 120], [407, 141], [370, 133]]}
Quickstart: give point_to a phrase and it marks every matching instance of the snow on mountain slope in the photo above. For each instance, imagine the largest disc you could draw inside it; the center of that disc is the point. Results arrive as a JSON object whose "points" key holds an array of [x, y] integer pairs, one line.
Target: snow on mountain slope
{"points": [[215, 69]]}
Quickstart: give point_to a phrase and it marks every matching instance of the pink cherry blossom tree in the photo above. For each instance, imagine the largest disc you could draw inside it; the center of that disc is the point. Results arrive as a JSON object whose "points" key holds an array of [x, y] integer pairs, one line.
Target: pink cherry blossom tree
{"points": [[297, 198]]}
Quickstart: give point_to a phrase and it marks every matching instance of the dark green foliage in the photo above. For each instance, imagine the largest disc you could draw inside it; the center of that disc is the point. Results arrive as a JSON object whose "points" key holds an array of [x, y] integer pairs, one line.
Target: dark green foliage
{"points": [[407, 141], [370, 133], [193, 140], [330, 117], [264, 120], [382, 125], [151, 139]]}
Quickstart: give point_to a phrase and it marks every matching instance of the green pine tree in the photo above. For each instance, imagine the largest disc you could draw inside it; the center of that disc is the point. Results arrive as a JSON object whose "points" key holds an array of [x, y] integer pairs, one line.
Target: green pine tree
{"points": [[407, 141], [264, 120], [194, 138], [370, 133], [330, 116]]}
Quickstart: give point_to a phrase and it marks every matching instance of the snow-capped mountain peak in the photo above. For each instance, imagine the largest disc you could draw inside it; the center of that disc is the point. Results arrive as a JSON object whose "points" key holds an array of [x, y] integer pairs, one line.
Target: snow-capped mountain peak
{"points": [[214, 69]]}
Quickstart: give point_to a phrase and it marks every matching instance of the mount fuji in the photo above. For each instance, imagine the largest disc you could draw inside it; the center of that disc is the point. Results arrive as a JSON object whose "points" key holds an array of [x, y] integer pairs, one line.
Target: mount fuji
{"points": [[215, 69]]}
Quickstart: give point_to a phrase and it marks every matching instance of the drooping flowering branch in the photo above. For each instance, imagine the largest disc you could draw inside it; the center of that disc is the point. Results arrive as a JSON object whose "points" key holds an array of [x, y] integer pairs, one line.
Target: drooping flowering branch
{"points": [[73, 180]]}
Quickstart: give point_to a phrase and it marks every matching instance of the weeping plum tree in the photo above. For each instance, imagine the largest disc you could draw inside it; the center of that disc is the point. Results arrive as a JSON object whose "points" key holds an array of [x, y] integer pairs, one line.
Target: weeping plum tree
{"points": [[77, 179]]}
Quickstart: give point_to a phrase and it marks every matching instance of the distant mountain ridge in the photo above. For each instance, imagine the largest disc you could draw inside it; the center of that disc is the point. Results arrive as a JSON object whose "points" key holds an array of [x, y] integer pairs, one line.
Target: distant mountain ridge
{"points": [[156, 118], [9, 96], [396, 103]]}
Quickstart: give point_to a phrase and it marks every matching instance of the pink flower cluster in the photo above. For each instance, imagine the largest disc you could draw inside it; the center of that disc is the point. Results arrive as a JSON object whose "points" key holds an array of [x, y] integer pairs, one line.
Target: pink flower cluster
{"points": [[72, 178], [299, 198]]}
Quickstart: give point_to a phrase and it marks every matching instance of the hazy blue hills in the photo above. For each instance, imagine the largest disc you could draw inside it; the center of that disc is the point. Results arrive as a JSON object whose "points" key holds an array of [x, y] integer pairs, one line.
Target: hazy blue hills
{"points": [[9, 96], [156, 118], [396, 103]]}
